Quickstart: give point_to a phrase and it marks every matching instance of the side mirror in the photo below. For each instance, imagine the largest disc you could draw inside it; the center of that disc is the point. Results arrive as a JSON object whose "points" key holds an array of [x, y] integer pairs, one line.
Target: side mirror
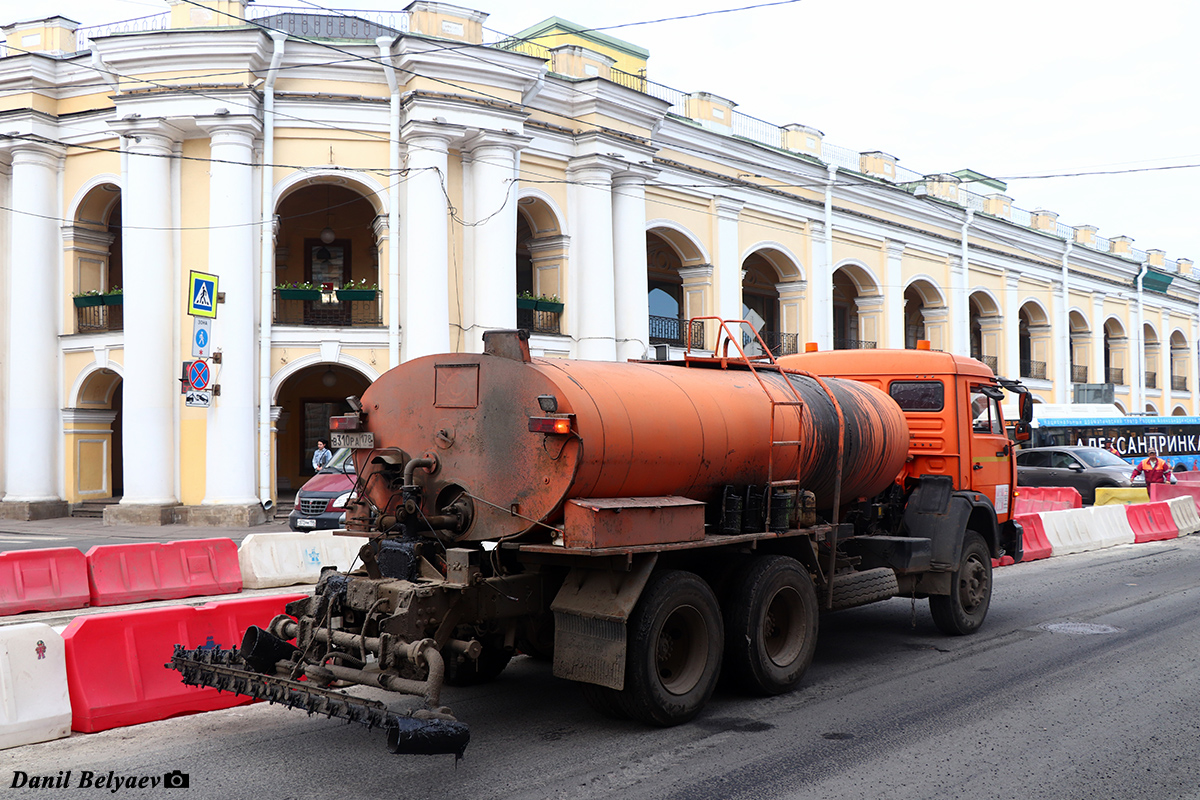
{"points": [[1026, 407], [1021, 433], [1076, 468]]}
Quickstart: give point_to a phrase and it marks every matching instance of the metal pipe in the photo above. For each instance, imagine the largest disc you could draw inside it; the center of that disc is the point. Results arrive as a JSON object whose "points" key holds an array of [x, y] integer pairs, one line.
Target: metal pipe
{"points": [[412, 466], [1138, 391], [266, 269]]}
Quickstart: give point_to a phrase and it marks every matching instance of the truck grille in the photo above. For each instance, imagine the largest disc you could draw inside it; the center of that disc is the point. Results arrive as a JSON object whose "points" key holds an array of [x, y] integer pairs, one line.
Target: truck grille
{"points": [[312, 507]]}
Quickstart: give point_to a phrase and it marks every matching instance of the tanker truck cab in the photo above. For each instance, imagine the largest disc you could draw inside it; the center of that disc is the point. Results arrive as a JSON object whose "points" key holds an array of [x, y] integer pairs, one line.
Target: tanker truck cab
{"points": [[959, 479]]}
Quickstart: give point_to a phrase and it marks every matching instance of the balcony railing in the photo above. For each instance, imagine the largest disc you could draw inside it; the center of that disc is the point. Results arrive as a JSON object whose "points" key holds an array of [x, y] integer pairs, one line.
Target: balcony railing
{"points": [[669, 330], [329, 312], [1078, 374], [1151, 380], [1179, 383], [1116, 375], [93, 319], [840, 343], [536, 321], [780, 344], [1033, 369]]}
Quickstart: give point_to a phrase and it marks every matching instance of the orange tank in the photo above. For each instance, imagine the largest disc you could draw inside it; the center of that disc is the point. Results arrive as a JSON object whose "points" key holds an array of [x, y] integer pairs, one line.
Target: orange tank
{"points": [[638, 429]]}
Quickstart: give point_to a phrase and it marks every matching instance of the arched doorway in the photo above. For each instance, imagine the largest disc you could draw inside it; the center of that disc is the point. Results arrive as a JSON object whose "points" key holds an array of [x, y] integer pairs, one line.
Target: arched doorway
{"points": [[1081, 344], [92, 428], [1116, 346], [327, 239], [987, 329], [306, 401], [94, 251], [857, 305], [1180, 362], [1034, 340], [540, 263], [1150, 351], [925, 315], [664, 287]]}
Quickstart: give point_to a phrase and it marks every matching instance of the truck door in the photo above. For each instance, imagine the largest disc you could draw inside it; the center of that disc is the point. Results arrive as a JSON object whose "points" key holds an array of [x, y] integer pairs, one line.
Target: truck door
{"points": [[991, 471]]}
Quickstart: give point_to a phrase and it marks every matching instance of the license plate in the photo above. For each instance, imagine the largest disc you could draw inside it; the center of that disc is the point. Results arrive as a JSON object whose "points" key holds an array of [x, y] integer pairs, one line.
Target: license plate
{"points": [[357, 441], [306, 523]]}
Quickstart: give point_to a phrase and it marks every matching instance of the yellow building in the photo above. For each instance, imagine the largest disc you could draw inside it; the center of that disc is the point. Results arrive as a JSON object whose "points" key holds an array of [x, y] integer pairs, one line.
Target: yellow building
{"points": [[365, 191]]}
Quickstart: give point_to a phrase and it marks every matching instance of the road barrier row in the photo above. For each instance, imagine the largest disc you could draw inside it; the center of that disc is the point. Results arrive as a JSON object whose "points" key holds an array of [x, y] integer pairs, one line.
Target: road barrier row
{"points": [[62, 578]]}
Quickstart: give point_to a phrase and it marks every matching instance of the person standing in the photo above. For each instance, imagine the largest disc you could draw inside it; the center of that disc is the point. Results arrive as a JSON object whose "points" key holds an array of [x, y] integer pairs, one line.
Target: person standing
{"points": [[1155, 469], [321, 456]]}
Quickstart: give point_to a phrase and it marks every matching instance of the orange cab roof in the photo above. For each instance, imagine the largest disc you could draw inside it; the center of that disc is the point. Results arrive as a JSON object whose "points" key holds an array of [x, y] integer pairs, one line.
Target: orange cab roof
{"points": [[835, 363]]}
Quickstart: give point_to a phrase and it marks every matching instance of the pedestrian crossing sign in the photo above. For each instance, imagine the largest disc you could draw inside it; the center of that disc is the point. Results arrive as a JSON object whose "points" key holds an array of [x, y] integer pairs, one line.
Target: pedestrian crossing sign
{"points": [[202, 295]]}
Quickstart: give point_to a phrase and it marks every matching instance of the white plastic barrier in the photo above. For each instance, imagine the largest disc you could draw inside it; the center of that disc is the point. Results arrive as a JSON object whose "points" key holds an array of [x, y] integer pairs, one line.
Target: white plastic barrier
{"points": [[1187, 519], [285, 559], [34, 703], [1078, 530]]}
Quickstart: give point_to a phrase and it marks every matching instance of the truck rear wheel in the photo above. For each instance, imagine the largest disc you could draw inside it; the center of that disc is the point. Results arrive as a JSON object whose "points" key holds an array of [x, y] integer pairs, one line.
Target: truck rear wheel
{"points": [[676, 638], [962, 612], [771, 625]]}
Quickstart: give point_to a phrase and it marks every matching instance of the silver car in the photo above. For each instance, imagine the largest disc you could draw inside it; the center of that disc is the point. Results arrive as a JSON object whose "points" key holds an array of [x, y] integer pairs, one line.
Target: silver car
{"points": [[1084, 468]]}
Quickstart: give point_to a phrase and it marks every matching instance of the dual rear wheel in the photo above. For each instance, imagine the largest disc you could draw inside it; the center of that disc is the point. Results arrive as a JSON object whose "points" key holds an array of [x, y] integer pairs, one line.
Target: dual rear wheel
{"points": [[679, 636]]}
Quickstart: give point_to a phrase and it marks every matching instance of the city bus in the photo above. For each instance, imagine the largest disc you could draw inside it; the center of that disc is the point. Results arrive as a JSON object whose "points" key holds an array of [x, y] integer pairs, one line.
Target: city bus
{"points": [[1176, 439]]}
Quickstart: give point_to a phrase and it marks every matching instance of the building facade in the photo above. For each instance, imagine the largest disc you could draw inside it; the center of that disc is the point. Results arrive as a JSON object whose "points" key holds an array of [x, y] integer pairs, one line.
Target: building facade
{"points": [[373, 188]]}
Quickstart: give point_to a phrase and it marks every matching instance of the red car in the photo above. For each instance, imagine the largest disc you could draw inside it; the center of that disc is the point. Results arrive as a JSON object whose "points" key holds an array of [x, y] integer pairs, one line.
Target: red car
{"points": [[321, 501]]}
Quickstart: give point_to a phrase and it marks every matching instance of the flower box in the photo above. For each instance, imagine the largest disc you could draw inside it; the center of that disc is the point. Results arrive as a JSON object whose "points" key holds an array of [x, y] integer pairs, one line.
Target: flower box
{"points": [[113, 299], [546, 305], [356, 294], [527, 303], [299, 294], [88, 300]]}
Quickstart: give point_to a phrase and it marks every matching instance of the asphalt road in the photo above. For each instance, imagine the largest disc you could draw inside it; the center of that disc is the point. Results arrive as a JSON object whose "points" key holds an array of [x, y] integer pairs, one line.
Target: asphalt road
{"points": [[1084, 683]]}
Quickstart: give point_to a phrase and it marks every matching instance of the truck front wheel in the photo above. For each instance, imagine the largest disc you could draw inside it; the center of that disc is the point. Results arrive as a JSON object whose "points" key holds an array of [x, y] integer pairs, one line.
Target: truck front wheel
{"points": [[962, 612], [770, 625], [676, 638]]}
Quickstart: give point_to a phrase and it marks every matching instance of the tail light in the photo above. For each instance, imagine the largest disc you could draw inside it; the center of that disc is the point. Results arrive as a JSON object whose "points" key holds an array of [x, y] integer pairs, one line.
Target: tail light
{"points": [[560, 424]]}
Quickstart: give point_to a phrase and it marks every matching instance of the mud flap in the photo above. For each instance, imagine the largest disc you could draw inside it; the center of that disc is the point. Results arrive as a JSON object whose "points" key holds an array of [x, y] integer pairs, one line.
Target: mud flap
{"points": [[590, 612], [937, 513]]}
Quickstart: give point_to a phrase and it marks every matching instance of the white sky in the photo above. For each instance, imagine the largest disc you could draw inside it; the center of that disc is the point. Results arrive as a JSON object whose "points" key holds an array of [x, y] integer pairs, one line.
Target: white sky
{"points": [[1018, 88]]}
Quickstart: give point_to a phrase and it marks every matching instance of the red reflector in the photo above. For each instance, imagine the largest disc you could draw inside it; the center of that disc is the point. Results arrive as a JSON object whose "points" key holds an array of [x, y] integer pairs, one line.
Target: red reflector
{"points": [[549, 424], [350, 422]]}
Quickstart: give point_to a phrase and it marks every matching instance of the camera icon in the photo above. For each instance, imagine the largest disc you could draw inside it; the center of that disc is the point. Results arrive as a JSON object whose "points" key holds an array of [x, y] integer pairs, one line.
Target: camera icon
{"points": [[177, 780]]}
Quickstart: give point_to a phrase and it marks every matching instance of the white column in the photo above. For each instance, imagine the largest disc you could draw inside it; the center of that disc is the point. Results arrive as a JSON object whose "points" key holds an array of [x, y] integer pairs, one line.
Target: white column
{"points": [[31, 445], [151, 387], [960, 310], [230, 462], [592, 270], [1010, 359], [1058, 356], [1096, 373], [894, 294], [425, 299], [1062, 340], [728, 260], [632, 307], [821, 284], [1165, 360], [1194, 357], [493, 247]]}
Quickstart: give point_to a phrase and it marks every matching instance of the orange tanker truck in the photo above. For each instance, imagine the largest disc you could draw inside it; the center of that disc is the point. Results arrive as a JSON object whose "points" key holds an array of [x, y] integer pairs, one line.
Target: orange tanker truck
{"points": [[646, 526]]}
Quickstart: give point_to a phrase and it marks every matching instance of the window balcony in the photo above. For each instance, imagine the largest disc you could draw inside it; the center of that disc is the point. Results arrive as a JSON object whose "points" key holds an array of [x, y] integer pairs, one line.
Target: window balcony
{"points": [[1079, 374], [1116, 375], [93, 319], [1179, 383], [668, 330], [840, 343], [1151, 380], [781, 344], [535, 321], [1033, 369], [326, 311]]}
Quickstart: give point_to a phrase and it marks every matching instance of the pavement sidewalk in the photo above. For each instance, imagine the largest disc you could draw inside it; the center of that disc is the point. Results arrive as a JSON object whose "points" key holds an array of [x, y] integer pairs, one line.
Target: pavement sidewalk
{"points": [[84, 533]]}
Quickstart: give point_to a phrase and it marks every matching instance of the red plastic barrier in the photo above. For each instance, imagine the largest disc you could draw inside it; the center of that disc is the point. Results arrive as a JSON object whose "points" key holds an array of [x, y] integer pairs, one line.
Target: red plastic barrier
{"points": [[42, 580], [1188, 476], [1151, 522], [115, 661], [133, 573], [1161, 492], [1036, 499], [1036, 543], [1003, 561]]}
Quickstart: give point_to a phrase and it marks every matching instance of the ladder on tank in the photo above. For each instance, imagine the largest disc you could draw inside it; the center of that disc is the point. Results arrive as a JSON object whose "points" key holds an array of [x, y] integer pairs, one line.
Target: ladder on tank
{"points": [[769, 359]]}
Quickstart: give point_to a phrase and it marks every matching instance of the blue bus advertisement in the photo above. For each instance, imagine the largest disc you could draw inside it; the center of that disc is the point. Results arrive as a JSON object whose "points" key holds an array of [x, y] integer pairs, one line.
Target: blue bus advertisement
{"points": [[1176, 439]]}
